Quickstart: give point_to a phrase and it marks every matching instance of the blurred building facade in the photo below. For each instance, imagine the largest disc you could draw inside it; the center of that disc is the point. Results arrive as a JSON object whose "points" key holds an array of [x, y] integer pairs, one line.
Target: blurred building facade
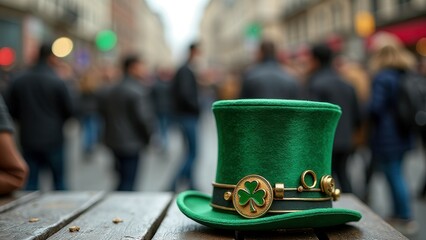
{"points": [[27, 23], [404, 18], [309, 21], [230, 29], [24, 24], [152, 40], [124, 19], [344, 23]]}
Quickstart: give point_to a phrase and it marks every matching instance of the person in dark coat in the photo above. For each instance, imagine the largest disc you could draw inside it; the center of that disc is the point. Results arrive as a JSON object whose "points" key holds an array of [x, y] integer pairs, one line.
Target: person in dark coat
{"points": [[267, 79], [41, 103], [422, 72], [326, 85], [187, 110], [128, 117], [389, 61]]}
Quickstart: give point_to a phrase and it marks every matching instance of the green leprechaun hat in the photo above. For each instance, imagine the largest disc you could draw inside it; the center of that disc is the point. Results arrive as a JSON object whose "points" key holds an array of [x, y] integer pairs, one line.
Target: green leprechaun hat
{"points": [[273, 169]]}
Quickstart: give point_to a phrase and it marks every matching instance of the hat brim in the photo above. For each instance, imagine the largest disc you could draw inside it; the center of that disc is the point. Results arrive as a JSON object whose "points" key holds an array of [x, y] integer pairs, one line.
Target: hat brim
{"points": [[196, 205]]}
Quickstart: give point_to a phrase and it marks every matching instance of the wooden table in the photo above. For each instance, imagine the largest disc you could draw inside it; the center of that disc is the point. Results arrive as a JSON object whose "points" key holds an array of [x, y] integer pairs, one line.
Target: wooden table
{"points": [[148, 215]]}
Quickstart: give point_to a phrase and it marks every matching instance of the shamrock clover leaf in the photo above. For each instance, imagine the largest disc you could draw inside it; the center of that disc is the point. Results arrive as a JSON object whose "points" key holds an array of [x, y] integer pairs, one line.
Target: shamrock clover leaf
{"points": [[250, 195]]}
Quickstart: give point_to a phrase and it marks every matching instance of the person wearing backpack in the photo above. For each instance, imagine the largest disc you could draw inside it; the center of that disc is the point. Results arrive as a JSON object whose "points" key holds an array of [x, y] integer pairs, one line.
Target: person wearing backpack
{"points": [[389, 63]]}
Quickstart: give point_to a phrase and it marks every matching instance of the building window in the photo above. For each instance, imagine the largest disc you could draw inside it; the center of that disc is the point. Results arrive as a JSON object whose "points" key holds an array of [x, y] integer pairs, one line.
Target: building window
{"points": [[293, 32], [375, 5], [303, 28], [320, 23], [405, 5], [290, 33], [337, 16], [229, 3], [403, 2]]}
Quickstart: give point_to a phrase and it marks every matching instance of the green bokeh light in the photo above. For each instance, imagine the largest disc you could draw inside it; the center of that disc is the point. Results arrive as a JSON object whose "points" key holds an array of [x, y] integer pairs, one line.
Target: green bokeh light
{"points": [[253, 30], [106, 40]]}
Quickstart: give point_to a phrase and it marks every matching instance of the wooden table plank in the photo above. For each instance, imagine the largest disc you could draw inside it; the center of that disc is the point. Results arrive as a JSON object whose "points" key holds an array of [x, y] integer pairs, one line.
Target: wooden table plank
{"points": [[16, 199], [177, 226], [141, 214], [296, 234], [53, 210], [371, 226]]}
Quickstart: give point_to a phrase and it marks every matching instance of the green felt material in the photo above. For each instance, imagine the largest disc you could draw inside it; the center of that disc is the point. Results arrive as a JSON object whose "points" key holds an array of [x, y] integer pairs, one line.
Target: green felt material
{"points": [[196, 206], [277, 139]]}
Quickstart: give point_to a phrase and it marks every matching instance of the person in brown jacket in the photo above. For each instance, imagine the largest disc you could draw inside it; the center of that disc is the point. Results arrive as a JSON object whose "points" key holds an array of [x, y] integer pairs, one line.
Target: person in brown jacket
{"points": [[13, 169]]}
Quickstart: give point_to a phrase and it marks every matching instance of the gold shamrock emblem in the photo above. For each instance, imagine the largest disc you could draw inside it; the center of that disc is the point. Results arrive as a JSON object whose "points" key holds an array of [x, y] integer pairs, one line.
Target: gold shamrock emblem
{"points": [[252, 196]]}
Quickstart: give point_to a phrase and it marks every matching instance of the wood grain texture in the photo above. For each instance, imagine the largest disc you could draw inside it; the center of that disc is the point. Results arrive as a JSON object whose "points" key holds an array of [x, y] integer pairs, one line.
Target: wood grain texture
{"points": [[141, 213], [371, 226], [16, 199], [54, 210], [301, 234], [177, 226]]}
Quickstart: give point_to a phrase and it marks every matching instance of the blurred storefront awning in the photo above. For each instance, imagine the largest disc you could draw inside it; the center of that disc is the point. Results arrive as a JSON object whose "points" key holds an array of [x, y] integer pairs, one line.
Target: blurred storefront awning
{"points": [[409, 32]]}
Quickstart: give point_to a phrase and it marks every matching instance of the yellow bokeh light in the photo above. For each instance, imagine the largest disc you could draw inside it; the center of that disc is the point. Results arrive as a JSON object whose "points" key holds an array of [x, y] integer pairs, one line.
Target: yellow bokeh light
{"points": [[421, 47], [364, 24], [62, 47]]}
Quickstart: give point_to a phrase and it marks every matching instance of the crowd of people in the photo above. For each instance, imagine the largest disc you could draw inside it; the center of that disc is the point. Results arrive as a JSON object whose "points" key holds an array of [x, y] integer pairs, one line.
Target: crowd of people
{"points": [[128, 110]]}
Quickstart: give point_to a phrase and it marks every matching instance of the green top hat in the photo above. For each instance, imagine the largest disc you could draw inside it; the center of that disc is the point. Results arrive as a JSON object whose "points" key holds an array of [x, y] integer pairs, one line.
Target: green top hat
{"points": [[273, 168]]}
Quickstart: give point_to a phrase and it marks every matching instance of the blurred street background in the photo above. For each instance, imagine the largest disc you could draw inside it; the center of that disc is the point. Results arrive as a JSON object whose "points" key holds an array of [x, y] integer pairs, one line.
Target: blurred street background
{"points": [[91, 38]]}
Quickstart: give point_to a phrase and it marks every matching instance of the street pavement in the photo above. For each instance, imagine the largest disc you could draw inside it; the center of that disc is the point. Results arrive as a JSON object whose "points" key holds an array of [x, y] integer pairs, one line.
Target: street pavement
{"points": [[96, 172]]}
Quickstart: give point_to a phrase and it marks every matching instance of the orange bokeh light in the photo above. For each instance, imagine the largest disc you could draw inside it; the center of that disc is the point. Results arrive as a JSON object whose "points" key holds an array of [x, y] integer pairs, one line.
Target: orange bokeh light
{"points": [[421, 47]]}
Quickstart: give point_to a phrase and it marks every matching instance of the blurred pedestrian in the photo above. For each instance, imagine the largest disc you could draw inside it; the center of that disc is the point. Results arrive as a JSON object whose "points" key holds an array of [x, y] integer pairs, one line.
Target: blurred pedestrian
{"points": [[41, 103], [88, 109], [389, 62], [187, 111], [128, 117], [7, 73], [13, 170], [326, 85], [357, 76], [161, 95], [229, 86], [267, 79], [422, 72]]}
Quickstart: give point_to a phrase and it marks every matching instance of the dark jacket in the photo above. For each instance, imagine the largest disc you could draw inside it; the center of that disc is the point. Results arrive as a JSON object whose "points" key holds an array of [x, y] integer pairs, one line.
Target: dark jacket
{"points": [[185, 92], [325, 85], [161, 96], [385, 133], [87, 104], [41, 102], [128, 116], [268, 80]]}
